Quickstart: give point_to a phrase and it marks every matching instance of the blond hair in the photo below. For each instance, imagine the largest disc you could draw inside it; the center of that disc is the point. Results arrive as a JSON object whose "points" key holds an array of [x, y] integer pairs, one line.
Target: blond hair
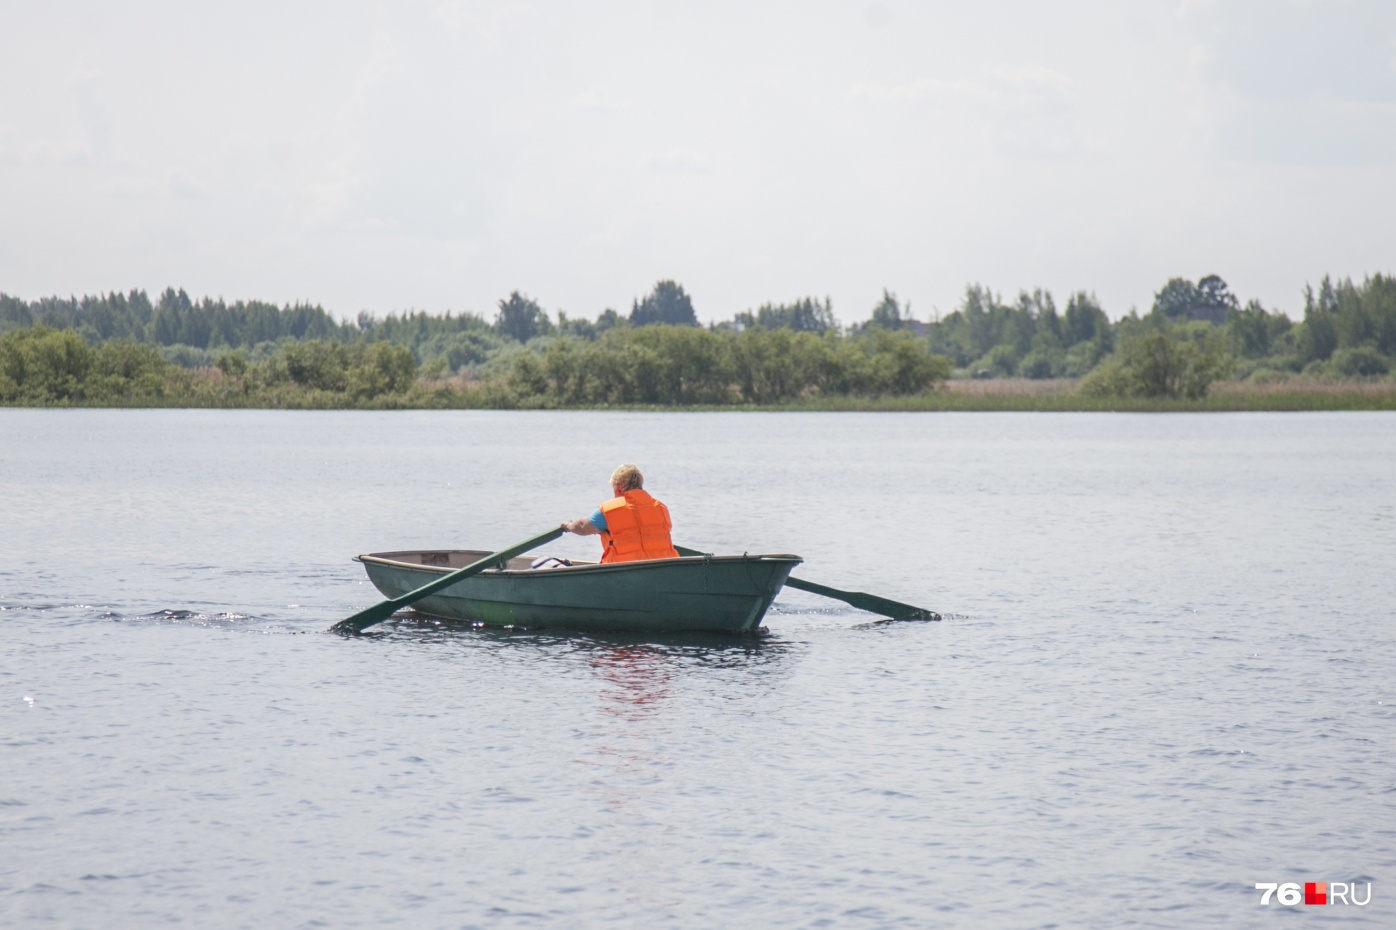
{"points": [[627, 478]]}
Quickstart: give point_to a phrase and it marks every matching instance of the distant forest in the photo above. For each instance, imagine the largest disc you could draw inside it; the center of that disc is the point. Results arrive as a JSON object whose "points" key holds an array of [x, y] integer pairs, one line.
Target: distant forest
{"points": [[1194, 333]]}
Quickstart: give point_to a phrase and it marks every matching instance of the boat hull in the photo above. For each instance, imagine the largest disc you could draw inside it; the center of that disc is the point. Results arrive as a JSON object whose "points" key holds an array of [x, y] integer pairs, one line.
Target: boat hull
{"points": [[727, 594]]}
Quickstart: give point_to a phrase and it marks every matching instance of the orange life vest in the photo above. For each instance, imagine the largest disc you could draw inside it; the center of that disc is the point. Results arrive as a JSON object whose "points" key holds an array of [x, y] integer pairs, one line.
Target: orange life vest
{"points": [[637, 527]]}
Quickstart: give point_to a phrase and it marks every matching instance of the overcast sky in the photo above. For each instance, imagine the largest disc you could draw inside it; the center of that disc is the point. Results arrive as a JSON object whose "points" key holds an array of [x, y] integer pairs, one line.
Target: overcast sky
{"points": [[437, 155]]}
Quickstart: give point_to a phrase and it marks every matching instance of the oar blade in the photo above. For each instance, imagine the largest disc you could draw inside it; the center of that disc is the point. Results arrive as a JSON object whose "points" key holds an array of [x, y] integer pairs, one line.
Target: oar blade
{"points": [[365, 618], [382, 611], [869, 602], [872, 603], [894, 610]]}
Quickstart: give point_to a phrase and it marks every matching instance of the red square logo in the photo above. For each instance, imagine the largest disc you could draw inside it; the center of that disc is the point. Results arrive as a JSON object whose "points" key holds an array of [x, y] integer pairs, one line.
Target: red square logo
{"points": [[1315, 892]]}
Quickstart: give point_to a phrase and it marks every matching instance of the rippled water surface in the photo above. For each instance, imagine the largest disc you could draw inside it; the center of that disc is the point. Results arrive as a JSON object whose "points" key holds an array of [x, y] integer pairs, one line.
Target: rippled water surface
{"points": [[1166, 672]]}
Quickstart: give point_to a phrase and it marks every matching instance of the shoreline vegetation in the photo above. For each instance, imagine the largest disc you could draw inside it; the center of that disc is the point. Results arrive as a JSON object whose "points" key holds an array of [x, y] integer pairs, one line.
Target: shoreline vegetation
{"points": [[1197, 349]]}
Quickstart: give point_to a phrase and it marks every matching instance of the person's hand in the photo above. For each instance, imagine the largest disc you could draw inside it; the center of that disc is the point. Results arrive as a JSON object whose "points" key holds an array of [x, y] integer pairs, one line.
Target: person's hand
{"points": [[581, 526]]}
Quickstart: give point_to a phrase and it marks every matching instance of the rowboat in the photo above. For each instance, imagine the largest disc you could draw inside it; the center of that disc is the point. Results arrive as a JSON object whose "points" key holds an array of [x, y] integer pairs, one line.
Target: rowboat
{"points": [[703, 593]]}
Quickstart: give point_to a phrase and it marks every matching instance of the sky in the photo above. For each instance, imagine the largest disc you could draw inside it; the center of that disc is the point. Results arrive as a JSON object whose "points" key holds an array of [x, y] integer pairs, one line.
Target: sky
{"points": [[436, 156]]}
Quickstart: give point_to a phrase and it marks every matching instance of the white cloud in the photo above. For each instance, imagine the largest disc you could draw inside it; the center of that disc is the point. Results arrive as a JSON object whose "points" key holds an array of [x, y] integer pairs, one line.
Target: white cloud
{"points": [[440, 154], [184, 187], [676, 159], [1303, 83], [92, 115], [485, 19], [877, 15], [1021, 111], [591, 99]]}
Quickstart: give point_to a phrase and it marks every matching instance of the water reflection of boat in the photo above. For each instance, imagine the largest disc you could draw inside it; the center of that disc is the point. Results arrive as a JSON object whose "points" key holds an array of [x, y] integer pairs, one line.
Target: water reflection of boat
{"points": [[721, 593], [638, 677]]}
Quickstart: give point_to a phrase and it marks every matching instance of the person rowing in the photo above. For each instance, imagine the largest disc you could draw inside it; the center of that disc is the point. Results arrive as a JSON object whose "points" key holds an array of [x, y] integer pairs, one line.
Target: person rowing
{"points": [[632, 524]]}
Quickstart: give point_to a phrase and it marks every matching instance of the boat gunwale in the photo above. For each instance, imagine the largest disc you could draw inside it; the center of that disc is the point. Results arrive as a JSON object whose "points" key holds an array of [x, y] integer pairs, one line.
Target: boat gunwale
{"points": [[565, 570]]}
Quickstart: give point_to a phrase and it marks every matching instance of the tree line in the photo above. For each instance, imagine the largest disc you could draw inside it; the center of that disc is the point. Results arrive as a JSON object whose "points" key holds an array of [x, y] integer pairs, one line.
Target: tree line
{"points": [[650, 365], [40, 366], [684, 365], [1348, 330], [1194, 333]]}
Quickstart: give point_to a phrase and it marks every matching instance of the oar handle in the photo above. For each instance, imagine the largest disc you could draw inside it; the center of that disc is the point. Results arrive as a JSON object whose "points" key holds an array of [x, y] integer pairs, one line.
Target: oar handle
{"points": [[382, 611]]}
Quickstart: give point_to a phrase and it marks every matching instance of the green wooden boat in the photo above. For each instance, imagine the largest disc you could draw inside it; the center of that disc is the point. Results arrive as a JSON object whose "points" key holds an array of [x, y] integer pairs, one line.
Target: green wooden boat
{"points": [[707, 593]]}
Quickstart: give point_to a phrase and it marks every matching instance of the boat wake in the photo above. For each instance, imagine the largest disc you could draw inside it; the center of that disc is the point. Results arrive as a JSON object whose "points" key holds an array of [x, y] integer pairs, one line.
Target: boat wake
{"points": [[222, 620]]}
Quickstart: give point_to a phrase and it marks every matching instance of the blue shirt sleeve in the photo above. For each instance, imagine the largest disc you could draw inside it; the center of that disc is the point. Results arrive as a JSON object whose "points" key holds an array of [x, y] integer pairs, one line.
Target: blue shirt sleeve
{"points": [[598, 520]]}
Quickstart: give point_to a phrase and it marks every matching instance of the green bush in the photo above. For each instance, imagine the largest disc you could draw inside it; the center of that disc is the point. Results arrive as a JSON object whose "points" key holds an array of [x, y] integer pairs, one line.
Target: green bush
{"points": [[1170, 361], [999, 362], [188, 356], [124, 371], [1109, 379], [463, 349], [1315, 369], [233, 364], [1041, 363], [641, 365], [679, 365], [39, 365], [901, 364], [360, 371], [1082, 357], [380, 369], [776, 365], [318, 364], [1359, 362]]}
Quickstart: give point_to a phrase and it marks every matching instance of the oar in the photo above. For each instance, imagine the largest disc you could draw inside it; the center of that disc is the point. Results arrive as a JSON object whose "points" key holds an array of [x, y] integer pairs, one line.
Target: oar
{"points": [[380, 612], [869, 602]]}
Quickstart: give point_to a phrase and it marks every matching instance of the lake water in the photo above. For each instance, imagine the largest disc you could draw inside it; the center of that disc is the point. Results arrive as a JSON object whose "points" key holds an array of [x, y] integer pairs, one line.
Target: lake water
{"points": [[1166, 672]]}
